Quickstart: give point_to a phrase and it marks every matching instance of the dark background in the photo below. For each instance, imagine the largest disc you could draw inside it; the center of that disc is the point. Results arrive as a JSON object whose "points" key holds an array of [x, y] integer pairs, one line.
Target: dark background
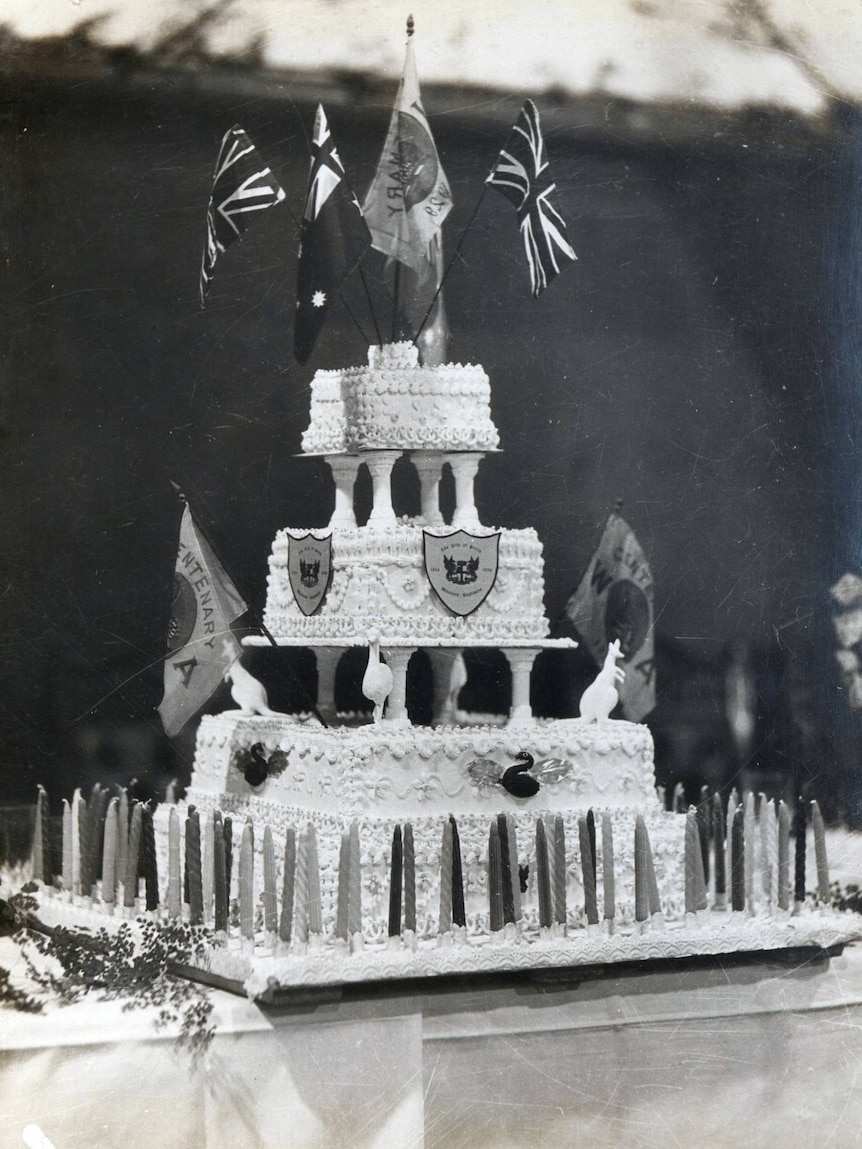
{"points": [[699, 362]]}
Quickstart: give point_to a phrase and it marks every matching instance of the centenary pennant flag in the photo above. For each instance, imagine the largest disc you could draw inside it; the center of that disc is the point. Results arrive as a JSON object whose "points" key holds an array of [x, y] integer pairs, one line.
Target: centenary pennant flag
{"points": [[242, 186], [614, 599], [409, 197], [521, 175], [201, 647], [334, 238]]}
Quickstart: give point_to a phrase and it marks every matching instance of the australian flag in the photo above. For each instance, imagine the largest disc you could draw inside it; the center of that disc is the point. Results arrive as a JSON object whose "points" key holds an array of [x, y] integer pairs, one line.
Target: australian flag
{"points": [[242, 186], [521, 175], [334, 238]]}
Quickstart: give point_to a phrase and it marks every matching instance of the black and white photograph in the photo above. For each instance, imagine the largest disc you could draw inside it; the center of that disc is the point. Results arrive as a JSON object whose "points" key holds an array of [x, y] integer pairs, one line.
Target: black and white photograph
{"points": [[430, 574]]}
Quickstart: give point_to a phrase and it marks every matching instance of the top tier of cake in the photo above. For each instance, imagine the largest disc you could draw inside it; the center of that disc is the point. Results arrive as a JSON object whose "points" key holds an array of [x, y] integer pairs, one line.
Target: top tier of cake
{"points": [[394, 403]]}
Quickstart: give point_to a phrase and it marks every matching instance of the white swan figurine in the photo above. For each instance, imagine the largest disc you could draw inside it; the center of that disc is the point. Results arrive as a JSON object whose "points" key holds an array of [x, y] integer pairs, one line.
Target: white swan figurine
{"points": [[377, 680]]}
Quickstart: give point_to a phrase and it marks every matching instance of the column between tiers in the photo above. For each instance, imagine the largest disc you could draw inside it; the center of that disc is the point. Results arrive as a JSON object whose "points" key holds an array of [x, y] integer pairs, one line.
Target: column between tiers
{"points": [[521, 663], [327, 658], [464, 466], [344, 469], [380, 464], [397, 659]]}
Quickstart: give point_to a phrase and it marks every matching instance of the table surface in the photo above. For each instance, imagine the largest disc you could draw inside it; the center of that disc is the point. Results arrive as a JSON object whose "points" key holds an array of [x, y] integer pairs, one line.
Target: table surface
{"points": [[715, 1054]]}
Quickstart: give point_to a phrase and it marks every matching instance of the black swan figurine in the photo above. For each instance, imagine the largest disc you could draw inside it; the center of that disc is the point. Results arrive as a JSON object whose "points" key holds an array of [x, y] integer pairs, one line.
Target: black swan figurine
{"points": [[255, 768], [517, 781]]}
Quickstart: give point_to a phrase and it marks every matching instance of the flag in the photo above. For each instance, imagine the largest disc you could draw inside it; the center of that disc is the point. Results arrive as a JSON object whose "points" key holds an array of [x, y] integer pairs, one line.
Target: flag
{"points": [[334, 238], [614, 599], [409, 197], [521, 175], [201, 647], [242, 184]]}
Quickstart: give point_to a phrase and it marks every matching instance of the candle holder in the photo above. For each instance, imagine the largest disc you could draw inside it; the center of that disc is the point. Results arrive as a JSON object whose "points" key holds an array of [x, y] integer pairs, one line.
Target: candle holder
{"points": [[459, 935], [511, 933], [357, 942], [409, 940], [445, 939], [393, 942]]}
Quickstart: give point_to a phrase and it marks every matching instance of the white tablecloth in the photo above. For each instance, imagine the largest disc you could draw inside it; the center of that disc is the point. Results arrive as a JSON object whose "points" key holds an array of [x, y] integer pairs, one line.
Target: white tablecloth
{"points": [[720, 1056]]}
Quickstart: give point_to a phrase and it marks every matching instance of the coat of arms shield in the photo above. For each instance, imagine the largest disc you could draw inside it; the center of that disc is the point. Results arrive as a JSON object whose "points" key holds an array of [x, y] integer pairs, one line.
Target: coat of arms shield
{"points": [[309, 567], [462, 568]]}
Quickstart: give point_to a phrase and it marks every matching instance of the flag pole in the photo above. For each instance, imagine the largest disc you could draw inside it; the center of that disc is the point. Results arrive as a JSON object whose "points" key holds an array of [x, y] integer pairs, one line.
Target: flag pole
{"points": [[460, 242], [370, 304], [297, 223], [450, 264], [257, 620]]}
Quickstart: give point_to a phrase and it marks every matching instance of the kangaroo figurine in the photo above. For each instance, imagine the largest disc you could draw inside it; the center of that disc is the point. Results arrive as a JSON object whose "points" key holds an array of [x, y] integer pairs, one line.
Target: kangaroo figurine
{"points": [[247, 691], [601, 696]]}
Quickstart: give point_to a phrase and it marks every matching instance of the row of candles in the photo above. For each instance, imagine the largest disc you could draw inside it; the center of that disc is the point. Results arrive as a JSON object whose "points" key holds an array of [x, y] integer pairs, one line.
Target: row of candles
{"points": [[109, 852]]}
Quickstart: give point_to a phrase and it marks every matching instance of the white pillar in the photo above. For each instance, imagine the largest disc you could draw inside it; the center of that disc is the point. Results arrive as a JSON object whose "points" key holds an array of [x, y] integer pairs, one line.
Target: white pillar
{"points": [[397, 659], [328, 658], [464, 466], [521, 663], [442, 663], [344, 468], [380, 464], [429, 466]]}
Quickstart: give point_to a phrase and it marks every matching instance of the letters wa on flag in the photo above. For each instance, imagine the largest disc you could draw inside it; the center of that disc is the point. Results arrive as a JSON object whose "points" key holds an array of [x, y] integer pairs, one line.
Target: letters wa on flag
{"points": [[409, 197], [334, 238], [615, 600], [521, 175], [242, 186], [201, 647]]}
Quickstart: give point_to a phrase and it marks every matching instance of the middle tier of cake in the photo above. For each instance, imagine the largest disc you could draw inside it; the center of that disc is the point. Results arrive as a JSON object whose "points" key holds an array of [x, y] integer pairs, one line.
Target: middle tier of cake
{"points": [[379, 582]]}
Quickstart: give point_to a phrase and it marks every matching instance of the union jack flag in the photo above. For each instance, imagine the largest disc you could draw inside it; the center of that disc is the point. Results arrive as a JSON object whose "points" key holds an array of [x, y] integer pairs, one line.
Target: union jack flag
{"points": [[520, 174], [242, 184]]}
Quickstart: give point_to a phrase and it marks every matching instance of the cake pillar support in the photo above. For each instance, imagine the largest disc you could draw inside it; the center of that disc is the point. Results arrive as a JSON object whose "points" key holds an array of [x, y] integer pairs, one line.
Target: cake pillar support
{"points": [[521, 664], [447, 685], [380, 464], [429, 466], [397, 659], [343, 468], [464, 466], [327, 658]]}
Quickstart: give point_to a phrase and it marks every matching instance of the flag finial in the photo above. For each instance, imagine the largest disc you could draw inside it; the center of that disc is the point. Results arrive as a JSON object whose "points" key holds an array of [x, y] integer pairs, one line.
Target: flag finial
{"points": [[618, 506], [411, 27], [178, 492]]}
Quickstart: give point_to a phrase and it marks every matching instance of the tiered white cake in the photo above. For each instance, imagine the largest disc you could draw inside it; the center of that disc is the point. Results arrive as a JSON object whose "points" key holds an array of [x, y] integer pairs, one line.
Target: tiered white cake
{"points": [[391, 772]]}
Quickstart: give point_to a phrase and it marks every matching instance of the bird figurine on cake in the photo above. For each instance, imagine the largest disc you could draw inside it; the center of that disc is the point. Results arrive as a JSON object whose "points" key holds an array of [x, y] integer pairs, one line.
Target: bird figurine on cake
{"points": [[523, 779], [377, 680]]}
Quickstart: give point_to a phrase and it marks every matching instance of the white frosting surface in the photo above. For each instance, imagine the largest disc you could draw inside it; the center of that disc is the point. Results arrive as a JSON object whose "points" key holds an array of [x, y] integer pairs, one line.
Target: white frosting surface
{"points": [[379, 582], [394, 403]]}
